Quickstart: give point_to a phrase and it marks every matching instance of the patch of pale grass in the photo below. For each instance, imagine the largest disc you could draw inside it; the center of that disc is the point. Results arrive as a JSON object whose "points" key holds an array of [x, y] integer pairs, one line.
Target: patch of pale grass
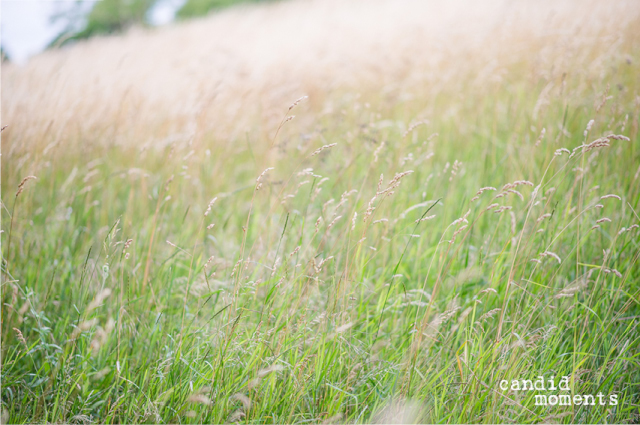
{"points": [[231, 72]]}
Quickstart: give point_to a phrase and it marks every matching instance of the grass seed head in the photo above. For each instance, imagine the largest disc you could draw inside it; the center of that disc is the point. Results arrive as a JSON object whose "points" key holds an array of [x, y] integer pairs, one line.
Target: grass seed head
{"points": [[22, 183], [21, 338], [294, 104], [206, 213], [317, 151]]}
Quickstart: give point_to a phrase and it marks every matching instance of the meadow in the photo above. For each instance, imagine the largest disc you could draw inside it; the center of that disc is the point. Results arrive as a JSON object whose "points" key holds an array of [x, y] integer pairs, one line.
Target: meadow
{"points": [[327, 212]]}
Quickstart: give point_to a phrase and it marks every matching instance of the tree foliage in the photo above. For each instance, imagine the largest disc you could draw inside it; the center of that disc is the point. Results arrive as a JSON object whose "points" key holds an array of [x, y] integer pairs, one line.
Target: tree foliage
{"points": [[4, 57], [114, 16], [105, 17], [195, 8]]}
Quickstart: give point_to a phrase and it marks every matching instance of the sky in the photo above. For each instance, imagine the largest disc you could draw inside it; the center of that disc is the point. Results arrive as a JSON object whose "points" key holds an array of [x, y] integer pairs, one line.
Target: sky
{"points": [[26, 27]]}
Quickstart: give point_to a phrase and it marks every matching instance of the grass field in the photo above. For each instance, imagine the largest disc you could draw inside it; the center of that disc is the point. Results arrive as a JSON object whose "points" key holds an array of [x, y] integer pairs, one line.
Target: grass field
{"points": [[451, 207]]}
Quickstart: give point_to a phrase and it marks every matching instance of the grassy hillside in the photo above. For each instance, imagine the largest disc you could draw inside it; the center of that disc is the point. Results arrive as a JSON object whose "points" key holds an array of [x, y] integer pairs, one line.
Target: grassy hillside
{"points": [[450, 208]]}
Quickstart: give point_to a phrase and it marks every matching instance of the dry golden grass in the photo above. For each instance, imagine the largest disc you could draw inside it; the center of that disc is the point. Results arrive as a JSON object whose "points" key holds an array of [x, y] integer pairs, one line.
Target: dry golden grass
{"points": [[232, 72]]}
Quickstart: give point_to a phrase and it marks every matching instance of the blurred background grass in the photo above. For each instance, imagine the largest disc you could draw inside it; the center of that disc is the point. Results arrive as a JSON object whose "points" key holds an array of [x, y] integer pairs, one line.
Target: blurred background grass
{"points": [[317, 297]]}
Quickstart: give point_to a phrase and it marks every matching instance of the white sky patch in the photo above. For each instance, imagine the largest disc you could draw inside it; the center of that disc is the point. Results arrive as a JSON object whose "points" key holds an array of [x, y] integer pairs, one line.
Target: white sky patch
{"points": [[26, 27], [164, 11]]}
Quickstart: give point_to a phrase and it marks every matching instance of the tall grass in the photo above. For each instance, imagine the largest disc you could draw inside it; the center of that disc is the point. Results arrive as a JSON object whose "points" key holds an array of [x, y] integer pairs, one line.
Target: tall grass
{"points": [[392, 253]]}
